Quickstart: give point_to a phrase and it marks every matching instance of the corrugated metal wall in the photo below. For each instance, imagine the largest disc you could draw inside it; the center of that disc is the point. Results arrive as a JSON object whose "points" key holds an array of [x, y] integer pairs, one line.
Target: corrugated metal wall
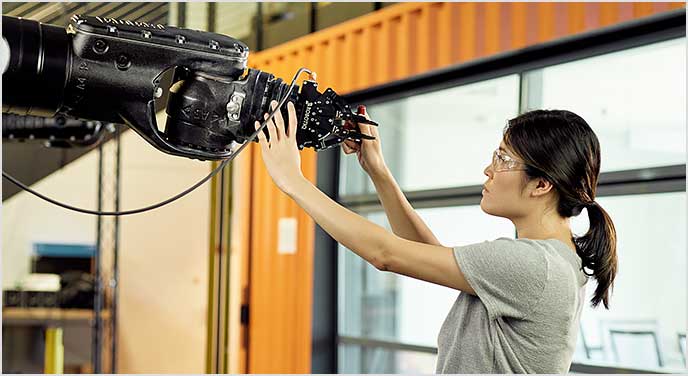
{"points": [[390, 44], [59, 13]]}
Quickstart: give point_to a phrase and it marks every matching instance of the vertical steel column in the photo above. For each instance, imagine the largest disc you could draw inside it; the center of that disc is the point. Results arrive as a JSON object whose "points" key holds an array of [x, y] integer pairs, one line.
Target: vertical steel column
{"points": [[313, 17], [325, 274], [259, 27], [219, 261], [114, 283], [97, 296], [181, 14], [218, 353]]}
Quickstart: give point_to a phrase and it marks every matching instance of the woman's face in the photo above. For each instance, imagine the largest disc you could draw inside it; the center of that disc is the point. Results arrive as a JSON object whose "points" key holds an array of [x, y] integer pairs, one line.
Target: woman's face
{"points": [[503, 193]]}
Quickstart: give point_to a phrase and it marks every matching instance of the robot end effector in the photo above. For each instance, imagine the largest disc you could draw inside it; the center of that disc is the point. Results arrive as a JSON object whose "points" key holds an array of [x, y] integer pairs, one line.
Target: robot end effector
{"points": [[111, 70]]}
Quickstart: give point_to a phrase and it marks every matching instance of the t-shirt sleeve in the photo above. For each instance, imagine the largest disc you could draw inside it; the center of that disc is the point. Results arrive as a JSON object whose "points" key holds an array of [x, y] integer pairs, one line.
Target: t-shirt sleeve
{"points": [[508, 275]]}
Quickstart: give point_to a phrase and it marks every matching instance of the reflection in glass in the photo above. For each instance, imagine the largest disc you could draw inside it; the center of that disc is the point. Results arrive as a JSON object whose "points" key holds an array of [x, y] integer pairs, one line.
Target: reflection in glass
{"points": [[648, 300], [638, 112], [439, 139], [387, 306], [359, 359]]}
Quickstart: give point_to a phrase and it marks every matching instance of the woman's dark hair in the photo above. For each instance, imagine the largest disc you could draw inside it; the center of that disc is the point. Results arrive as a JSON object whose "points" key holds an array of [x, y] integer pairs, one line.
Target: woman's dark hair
{"points": [[560, 146]]}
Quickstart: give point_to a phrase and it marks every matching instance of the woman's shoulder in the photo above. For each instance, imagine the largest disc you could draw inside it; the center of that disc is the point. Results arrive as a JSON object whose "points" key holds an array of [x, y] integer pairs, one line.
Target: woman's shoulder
{"points": [[520, 245], [553, 252]]}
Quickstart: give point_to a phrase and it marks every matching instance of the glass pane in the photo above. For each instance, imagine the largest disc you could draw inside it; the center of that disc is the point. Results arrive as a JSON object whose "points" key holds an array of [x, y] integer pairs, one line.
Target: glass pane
{"points": [[332, 13], [380, 305], [647, 312], [359, 359], [238, 20], [635, 100], [284, 21], [439, 139]]}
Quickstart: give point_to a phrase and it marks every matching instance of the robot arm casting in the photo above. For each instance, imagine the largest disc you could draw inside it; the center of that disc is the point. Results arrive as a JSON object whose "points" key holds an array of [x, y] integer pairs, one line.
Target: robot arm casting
{"points": [[109, 70]]}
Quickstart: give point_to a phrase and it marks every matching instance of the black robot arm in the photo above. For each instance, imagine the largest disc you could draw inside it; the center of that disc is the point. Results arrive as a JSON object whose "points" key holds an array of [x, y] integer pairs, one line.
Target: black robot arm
{"points": [[55, 132], [110, 70]]}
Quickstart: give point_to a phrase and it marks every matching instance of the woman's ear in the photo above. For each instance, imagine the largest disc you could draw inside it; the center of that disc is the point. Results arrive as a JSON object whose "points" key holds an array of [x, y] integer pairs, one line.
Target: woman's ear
{"points": [[540, 187]]}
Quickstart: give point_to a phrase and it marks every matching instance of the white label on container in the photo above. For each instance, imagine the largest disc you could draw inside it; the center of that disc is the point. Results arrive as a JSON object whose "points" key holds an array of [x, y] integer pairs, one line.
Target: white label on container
{"points": [[286, 242]]}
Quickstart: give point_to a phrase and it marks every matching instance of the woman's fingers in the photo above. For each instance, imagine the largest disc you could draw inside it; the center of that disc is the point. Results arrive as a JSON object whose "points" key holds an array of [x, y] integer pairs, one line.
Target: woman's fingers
{"points": [[261, 137], [348, 147], [371, 130], [365, 129], [279, 121], [293, 122], [272, 130]]}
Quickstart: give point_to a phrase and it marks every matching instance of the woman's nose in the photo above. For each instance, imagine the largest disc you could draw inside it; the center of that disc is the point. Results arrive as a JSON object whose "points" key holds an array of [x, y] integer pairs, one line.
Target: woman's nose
{"points": [[488, 171]]}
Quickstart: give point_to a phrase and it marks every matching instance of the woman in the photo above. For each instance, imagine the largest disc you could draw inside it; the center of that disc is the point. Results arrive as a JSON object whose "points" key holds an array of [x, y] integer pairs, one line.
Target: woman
{"points": [[522, 298]]}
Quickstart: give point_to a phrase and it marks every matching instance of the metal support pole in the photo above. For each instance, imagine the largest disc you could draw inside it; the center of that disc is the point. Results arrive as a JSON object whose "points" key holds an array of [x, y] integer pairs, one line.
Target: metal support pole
{"points": [[218, 348], [97, 296], [114, 283]]}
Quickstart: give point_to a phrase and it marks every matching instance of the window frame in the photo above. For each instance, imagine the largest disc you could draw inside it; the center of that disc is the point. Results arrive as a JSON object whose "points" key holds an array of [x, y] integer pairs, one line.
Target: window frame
{"points": [[637, 33]]}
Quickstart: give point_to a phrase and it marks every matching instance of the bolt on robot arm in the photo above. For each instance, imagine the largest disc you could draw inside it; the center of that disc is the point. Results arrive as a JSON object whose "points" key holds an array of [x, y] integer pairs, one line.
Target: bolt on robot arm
{"points": [[110, 70]]}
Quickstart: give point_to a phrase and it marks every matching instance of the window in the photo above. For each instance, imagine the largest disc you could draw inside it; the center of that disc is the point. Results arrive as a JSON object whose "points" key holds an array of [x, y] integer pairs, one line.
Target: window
{"points": [[424, 137], [371, 359], [386, 306], [647, 299], [635, 101]]}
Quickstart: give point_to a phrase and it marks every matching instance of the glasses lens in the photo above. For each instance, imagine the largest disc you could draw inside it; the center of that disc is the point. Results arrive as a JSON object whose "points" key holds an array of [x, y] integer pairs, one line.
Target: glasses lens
{"points": [[500, 163]]}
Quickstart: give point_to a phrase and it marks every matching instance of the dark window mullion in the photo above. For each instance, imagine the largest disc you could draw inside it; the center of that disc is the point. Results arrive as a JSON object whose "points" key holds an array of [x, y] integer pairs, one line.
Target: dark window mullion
{"points": [[615, 183]]}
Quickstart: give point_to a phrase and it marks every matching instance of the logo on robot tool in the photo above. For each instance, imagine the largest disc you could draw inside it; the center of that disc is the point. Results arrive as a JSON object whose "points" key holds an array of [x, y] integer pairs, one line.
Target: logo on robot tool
{"points": [[306, 115], [110, 21]]}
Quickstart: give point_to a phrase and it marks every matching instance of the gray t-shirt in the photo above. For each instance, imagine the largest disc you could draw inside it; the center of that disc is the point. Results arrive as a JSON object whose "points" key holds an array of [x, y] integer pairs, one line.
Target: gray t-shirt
{"points": [[526, 314]]}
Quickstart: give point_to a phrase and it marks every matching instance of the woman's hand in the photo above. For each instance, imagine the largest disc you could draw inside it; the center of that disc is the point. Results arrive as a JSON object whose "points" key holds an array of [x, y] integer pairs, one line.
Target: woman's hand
{"points": [[281, 154], [369, 152]]}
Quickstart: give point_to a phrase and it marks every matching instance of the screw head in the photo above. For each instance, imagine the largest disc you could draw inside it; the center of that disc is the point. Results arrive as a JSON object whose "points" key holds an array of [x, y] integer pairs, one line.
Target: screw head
{"points": [[232, 107], [100, 46], [122, 62], [147, 34]]}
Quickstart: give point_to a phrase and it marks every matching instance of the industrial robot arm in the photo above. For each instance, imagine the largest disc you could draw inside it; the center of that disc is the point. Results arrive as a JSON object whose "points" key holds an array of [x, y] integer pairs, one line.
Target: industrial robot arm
{"points": [[55, 132], [109, 70]]}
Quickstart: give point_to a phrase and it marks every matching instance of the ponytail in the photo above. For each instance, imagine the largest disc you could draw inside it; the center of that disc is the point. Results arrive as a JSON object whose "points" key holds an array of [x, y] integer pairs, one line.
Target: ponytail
{"points": [[597, 250]]}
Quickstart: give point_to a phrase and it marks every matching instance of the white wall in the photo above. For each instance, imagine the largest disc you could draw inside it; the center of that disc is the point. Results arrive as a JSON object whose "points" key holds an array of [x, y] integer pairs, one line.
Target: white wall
{"points": [[164, 258], [27, 219], [163, 253]]}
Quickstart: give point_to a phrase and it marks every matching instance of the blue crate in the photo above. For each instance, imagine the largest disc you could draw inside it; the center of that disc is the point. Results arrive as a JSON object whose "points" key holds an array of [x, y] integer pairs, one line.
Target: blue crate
{"points": [[64, 250]]}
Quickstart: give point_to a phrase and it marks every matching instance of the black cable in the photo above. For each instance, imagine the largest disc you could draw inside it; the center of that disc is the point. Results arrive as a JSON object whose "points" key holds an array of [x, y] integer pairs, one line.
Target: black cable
{"points": [[23, 186]]}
